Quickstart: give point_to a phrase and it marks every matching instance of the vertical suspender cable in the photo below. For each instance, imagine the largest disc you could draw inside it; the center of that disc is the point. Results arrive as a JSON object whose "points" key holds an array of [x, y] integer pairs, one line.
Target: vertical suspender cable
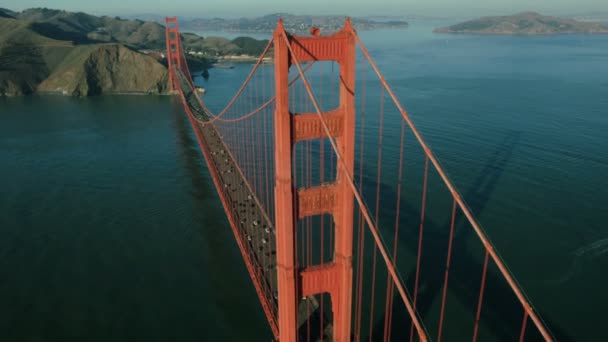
{"points": [[361, 234], [447, 272], [389, 293], [379, 175], [420, 236], [481, 291]]}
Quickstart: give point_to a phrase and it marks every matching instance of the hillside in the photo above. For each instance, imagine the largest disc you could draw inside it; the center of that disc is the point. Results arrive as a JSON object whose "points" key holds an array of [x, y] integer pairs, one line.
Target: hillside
{"points": [[220, 46], [82, 28], [53, 51], [4, 13], [26, 58], [106, 68], [526, 23], [79, 54], [85, 28], [31, 61]]}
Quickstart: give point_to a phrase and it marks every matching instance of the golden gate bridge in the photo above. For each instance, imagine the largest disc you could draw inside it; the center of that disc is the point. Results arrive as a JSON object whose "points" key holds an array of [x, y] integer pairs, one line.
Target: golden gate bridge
{"points": [[319, 207]]}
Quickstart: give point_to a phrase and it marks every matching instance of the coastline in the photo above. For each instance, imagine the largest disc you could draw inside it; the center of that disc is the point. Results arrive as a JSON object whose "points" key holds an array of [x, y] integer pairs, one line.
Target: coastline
{"points": [[240, 59], [522, 34], [64, 94]]}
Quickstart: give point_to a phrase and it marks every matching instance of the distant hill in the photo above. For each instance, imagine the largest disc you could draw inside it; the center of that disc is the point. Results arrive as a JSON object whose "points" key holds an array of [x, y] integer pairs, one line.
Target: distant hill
{"points": [[526, 23], [293, 23], [82, 28]]}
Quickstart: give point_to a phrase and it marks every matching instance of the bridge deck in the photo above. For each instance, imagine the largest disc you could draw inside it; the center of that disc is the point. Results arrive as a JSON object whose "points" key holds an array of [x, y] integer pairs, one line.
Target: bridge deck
{"points": [[253, 230]]}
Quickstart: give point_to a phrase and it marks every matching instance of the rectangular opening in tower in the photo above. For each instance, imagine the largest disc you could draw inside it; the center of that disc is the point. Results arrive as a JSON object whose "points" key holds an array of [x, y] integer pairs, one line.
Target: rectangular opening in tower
{"points": [[315, 240], [318, 326], [314, 163], [324, 80]]}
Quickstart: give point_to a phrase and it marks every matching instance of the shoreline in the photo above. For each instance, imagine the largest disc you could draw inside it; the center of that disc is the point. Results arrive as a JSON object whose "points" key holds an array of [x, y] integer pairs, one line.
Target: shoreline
{"points": [[524, 34], [240, 59], [52, 93], [199, 89]]}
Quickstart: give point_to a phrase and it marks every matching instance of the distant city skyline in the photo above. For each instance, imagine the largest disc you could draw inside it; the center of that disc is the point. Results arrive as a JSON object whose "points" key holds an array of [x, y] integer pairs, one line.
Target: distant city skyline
{"points": [[237, 8]]}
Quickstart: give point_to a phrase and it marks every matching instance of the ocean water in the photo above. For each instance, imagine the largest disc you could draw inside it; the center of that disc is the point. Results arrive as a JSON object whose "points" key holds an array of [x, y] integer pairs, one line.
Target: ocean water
{"points": [[111, 228]]}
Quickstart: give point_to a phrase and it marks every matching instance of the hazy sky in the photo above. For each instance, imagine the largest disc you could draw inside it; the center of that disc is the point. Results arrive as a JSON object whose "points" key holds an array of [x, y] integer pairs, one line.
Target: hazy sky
{"points": [[204, 8]]}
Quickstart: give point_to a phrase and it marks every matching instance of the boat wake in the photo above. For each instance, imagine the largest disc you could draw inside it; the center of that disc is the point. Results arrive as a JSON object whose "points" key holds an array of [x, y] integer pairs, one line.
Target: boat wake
{"points": [[594, 249], [583, 254]]}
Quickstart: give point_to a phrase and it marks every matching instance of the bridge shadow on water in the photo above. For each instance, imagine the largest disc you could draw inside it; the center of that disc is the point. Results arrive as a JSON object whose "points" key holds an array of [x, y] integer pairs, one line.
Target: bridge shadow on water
{"points": [[192, 159], [219, 251], [502, 313]]}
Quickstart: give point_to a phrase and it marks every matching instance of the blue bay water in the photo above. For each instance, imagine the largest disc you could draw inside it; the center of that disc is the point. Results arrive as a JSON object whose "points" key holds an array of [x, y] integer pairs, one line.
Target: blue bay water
{"points": [[111, 228]]}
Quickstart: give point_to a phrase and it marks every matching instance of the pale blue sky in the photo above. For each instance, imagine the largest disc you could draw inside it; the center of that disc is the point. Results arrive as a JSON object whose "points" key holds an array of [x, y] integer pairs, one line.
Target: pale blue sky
{"points": [[205, 8]]}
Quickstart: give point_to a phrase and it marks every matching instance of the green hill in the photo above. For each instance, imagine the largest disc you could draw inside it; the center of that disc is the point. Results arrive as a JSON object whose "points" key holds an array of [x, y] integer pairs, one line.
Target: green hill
{"points": [[31, 61], [250, 46], [80, 54], [526, 23], [4, 13], [106, 68], [26, 57], [84, 28]]}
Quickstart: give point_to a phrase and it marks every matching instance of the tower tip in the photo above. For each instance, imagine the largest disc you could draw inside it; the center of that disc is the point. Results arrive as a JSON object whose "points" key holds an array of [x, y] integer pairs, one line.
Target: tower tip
{"points": [[348, 25], [280, 29]]}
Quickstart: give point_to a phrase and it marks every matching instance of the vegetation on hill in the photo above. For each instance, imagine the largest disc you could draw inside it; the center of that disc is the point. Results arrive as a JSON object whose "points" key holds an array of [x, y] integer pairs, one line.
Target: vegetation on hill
{"points": [[33, 60], [220, 46], [524, 23], [26, 58], [82, 28], [250, 46], [4, 13], [106, 68], [79, 54]]}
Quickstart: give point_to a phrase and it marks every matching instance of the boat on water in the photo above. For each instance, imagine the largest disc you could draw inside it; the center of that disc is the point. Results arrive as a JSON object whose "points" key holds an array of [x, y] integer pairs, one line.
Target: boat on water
{"points": [[223, 66]]}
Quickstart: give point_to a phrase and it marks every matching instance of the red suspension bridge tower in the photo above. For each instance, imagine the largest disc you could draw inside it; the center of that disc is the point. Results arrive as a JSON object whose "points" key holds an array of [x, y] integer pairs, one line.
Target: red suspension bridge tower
{"points": [[335, 199], [176, 59]]}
